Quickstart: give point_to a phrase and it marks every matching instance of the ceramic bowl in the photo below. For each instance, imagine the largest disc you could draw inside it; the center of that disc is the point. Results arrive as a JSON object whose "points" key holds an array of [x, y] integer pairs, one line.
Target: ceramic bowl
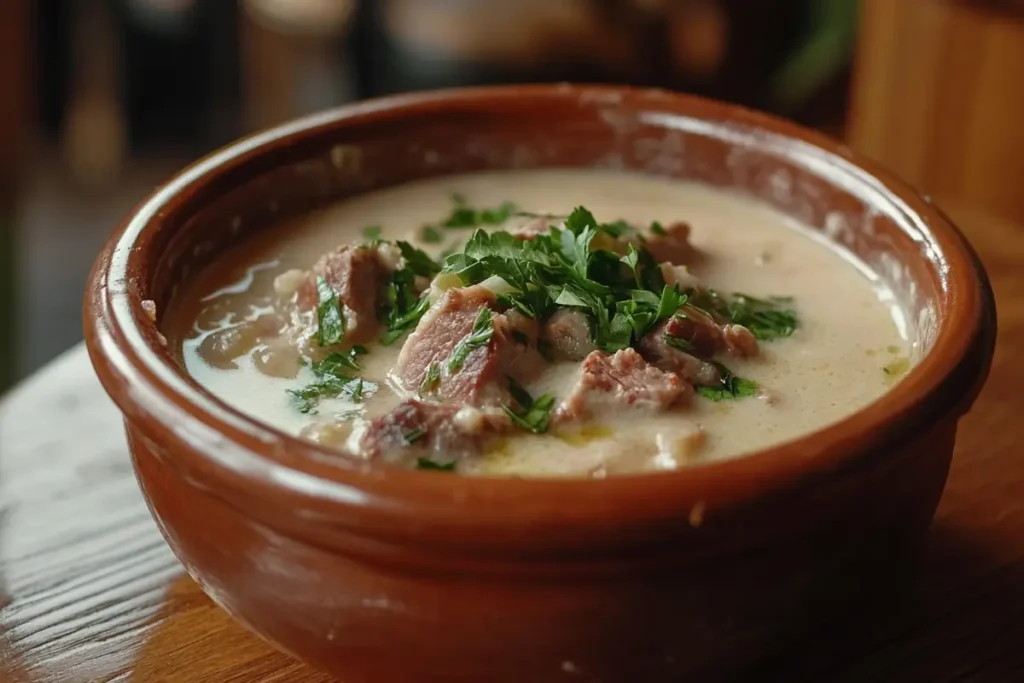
{"points": [[377, 574]]}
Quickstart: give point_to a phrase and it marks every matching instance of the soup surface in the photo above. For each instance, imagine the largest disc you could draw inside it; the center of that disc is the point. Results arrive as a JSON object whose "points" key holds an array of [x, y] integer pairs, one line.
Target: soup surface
{"points": [[666, 324]]}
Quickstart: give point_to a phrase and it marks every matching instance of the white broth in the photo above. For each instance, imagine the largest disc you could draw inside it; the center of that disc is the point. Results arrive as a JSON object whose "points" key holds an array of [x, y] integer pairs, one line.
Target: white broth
{"points": [[848, 348]]}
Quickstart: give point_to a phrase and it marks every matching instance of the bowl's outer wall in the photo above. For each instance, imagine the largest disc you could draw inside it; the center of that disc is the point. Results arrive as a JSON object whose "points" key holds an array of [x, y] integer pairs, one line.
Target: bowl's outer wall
{"points": [[650, 580], [371, 616]]}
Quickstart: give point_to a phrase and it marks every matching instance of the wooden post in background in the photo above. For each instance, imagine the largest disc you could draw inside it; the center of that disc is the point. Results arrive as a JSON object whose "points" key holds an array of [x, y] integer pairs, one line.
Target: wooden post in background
{"points": [[938, 97]]}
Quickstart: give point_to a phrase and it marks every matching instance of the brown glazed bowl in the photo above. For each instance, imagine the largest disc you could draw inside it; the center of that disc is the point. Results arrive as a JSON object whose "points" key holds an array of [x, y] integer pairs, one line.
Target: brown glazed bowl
{"points": [[383, 575]]}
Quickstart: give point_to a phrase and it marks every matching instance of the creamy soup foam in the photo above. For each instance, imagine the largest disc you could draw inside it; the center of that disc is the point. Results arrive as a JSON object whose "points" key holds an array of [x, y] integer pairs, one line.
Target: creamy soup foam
{"points": [[245, 334]]}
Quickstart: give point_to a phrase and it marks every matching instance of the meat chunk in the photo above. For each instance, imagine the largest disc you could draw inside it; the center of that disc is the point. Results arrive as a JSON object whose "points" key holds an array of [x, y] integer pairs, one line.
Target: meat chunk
{"points": [[451, 357], [610, 383], [357, 275], [567, 333], [739, 341], [680, 343], [662, 354], [672, 245], [420, 429]]}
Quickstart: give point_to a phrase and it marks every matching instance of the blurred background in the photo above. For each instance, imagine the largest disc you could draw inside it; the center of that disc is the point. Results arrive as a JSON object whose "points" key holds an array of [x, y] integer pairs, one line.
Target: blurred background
{"points": [[100, 100]]}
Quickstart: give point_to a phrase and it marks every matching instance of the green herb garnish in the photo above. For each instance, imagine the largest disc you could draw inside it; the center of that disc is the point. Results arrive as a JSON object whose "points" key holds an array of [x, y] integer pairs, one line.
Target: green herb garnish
{"points": [[729, 388], [532, 415], [657, 229], [403, 308], [372, 232], [481, 334], [431, 235], [335, 364], [766, 319], [414, 435], [330, 320], [417, 260], [431, 379], [333, 381], [353, 388], [427, 464], [465, 216]]}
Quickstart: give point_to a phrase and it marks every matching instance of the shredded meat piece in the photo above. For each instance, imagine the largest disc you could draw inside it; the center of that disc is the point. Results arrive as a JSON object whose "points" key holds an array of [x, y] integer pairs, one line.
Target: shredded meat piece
{"points": [[692, 327], [357, 274], [621, 380], [417, 428], [481, 379], [663, 355], [567, 333], [739, 341], [673, 246]]}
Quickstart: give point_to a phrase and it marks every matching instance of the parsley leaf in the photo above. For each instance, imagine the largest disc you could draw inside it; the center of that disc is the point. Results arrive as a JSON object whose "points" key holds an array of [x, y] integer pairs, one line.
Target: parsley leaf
{"points": [[483, 330], [431, 235], [418, 261], [372, 232], [631, 259], [729, 388], [353, 388], [334, 364], [657, 229], [431, 379], [533, 415], [330, 321], [465, 216], [428, 464], [765, 318], [403, 307]]}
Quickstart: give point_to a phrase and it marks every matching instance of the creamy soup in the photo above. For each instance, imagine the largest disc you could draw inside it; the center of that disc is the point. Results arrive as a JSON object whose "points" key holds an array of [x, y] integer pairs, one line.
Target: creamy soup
{"points": [[667, 324]]}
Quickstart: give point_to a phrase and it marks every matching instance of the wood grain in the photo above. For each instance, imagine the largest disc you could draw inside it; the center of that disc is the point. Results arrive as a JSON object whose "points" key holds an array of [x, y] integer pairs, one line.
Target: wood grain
{"points": [[90, 592], [938, 97]]}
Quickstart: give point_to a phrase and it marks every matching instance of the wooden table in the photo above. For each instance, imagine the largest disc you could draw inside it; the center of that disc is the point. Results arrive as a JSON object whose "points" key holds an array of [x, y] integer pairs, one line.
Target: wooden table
{"points": [[90, 592]]}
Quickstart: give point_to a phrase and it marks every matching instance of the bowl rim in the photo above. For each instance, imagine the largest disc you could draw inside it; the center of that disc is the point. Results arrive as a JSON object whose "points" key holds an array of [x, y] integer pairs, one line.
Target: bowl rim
{"points": [[249, 460]]}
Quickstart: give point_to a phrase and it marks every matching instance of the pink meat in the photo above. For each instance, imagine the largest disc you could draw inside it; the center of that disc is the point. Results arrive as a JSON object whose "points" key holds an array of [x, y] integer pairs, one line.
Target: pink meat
{"points": [[482, 378], [623, 380], [673, 246], [416, 428], [704, 337], [357, 275], [567, 333]]}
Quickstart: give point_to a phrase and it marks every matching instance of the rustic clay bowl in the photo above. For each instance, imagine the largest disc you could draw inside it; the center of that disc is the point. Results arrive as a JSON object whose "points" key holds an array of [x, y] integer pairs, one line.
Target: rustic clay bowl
{"points": [[380, 575]]}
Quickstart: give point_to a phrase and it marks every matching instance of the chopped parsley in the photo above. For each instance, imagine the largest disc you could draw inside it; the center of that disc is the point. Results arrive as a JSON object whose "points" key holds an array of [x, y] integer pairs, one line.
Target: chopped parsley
{"points": [[428, 464], [431, 235], [730, 387], [657, 229], [465, 216], [330, 320], [532, 415], [417, 260], [353, 388], [414, 435], [403, 308], [333, 381], [372, 232], [431, 379], [766, 319], [335, 364], [684, 345], [480, 335]]}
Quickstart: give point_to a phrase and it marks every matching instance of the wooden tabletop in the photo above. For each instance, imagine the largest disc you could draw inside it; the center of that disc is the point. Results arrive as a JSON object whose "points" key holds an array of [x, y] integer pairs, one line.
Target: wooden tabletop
{"points": [[89, 591]]}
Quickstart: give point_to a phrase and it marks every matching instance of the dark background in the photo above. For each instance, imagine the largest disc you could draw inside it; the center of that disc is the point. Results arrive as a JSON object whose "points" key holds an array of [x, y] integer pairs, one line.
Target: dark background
{"points": [[108, 98]]}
